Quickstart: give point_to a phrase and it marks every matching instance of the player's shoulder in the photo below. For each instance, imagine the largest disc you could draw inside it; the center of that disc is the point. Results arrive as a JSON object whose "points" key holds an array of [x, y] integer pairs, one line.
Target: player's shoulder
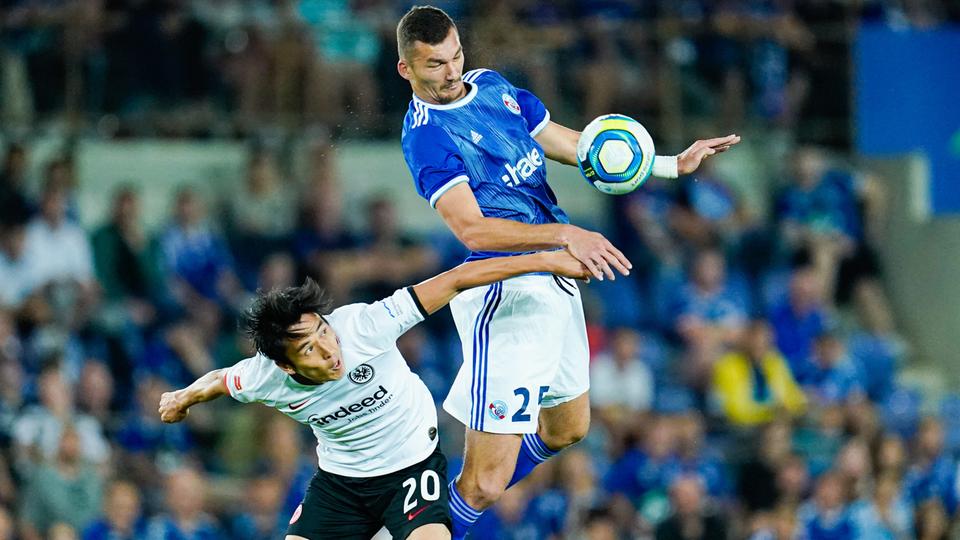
{"points": [[484, 75]]}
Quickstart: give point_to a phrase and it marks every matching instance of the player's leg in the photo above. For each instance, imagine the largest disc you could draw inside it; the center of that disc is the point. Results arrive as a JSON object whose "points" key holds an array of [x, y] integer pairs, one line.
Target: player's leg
{"points": [[414, 502], [433, 531], [510, 334], [565, 414], [565, 417], [332, 508]]}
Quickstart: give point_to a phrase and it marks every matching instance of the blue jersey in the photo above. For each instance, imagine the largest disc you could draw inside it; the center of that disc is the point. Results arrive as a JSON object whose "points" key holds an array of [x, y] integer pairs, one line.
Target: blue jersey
{"points": [[485, 139]]}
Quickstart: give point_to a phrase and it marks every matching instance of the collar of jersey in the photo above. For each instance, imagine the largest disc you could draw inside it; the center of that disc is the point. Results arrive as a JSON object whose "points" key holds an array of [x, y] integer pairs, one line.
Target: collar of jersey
{"points": [[456, 104]]}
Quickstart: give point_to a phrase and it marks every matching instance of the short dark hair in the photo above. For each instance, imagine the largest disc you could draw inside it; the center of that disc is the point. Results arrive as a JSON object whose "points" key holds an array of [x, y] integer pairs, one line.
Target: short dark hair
{"points": [[267, 322], [423, 23]]}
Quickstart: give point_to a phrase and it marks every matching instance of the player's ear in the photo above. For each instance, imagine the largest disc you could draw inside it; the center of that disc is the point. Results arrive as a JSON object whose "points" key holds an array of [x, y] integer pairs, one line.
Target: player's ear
{"points": [[403, 69], [286, 367]]}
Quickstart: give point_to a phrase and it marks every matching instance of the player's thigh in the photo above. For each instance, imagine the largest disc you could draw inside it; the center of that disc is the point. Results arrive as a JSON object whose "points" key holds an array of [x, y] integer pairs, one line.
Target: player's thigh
{"points": [[511, 336], [332, 509], [433, 531], [572, 378], [417, 498]]}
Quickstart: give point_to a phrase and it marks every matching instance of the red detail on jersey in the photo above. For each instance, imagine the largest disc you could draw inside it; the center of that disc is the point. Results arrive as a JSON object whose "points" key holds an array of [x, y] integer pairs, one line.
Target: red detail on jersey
{"points": [[296, 514], [236, 383], [413, 515], [295, 406]]}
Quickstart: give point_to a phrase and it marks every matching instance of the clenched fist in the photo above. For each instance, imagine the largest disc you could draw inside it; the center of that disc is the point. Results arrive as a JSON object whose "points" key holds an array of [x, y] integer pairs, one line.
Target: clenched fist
{"points": [[171, 408]]}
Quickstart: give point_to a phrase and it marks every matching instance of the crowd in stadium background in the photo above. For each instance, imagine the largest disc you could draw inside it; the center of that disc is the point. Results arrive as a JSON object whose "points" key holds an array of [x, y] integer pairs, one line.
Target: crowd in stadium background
{"points": [[743, 377]]}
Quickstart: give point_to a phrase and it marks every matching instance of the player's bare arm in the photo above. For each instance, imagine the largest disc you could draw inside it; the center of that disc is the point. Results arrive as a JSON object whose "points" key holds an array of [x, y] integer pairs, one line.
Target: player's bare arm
{"points": [[560, 144], [459, 209], [175, 405], [437, 291]]}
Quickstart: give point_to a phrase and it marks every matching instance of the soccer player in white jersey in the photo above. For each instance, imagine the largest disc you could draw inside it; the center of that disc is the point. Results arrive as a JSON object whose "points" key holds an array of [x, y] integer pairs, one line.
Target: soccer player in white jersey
{"points": [[476, 147], [340, 373]]}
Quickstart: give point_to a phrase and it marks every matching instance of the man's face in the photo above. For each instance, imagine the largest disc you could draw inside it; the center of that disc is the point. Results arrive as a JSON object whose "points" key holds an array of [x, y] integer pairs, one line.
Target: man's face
{"points": [[435, 71], [314, 351]]}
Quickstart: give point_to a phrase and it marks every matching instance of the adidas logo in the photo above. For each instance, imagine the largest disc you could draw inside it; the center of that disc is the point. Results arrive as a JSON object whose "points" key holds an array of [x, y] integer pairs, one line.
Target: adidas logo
{"points": [[475, 136]]}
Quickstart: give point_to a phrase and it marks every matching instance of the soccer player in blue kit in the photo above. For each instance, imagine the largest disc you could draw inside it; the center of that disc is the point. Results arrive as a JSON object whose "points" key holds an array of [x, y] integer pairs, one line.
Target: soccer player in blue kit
{"points": [[477, 147]]}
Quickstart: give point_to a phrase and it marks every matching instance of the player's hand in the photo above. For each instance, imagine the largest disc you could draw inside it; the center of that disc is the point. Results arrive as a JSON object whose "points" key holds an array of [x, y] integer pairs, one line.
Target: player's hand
{"points": [[689, 160], [596, 253], [562, 263], [171, 409]]}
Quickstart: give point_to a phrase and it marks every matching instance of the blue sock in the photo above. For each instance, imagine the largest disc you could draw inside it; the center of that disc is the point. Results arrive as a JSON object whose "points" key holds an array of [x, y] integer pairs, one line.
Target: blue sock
{"points": [[533, 452], [463, 515]]}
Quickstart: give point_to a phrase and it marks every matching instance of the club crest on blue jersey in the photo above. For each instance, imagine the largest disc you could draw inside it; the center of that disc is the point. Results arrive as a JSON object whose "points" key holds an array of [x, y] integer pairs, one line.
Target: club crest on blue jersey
{"points": [[511, 103], [497, 410], [362, 374]]}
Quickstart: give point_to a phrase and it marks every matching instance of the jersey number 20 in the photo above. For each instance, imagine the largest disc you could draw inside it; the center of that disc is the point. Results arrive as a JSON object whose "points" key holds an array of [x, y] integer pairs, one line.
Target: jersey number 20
{"points": [[429, 489]]}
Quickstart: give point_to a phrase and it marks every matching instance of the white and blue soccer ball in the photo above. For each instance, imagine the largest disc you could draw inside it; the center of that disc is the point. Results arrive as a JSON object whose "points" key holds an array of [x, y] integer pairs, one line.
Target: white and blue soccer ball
{"points": [[615, 154]]}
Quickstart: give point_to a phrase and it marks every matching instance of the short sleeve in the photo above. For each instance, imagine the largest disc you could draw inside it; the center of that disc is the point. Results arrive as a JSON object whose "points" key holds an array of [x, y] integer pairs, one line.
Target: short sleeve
{"points": [[533, 111], [247, 380], [374, 328], [434, 161]]}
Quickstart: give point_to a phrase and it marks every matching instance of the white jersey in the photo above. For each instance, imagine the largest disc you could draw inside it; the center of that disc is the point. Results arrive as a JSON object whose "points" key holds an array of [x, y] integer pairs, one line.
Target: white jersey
{"points": [[377, 419]]}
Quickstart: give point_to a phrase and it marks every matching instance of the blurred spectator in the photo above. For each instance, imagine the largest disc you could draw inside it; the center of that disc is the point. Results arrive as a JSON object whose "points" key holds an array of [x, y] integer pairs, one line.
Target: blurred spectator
{"points": [[508, 519], [387, 258], [599, 525], [757, 477], [799, 319], [854, 464], [691, 517], [885, 515], [792, 482], [621, 383], [15, 273], [262, 211], [710, 315], [122, 261], [197, 264], [420, 352], [577, 476], [322, 238], [67, 490], [38, 431], [121, 517], [821, 212], [141, 438], [95, 391], [185, 503], [826, 516], [754, 384], [831, 376], [891, 456], [57, 255], [695, 457], [647, 466], [708, 211], [933, 522], [261, 518], [932, 473]]}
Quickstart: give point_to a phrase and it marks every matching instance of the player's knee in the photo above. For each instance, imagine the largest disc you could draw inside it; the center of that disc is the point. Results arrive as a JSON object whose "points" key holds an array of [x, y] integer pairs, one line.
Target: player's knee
{"points": [[569, 434]]}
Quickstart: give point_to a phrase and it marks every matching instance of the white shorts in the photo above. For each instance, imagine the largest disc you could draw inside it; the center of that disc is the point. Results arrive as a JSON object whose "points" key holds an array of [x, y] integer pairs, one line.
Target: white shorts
{"points": [[524, 347]]}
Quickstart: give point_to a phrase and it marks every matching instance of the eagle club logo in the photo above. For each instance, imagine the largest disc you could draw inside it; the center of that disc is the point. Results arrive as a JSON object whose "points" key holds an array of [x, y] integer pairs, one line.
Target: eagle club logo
{"points": [[361, 374], [511, 103], [497, 410]]}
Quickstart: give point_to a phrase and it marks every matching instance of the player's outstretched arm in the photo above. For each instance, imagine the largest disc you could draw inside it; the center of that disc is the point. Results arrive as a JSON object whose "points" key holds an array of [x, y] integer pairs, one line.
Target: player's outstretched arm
{"points": [[437, 291], [459, 209], [175, 405]]}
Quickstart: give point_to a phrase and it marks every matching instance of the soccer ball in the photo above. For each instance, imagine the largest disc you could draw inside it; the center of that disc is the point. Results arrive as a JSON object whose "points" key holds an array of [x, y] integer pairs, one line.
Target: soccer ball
{"points": [[615, 154]]}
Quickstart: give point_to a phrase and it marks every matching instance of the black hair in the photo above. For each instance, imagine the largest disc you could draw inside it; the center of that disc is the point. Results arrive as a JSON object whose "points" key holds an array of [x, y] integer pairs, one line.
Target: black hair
{"points": [[267, 322], [423, 23]]}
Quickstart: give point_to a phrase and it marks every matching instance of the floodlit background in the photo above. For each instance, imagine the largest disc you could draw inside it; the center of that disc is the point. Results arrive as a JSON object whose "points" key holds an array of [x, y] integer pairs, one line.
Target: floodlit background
{"points": [[782, 362]]}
